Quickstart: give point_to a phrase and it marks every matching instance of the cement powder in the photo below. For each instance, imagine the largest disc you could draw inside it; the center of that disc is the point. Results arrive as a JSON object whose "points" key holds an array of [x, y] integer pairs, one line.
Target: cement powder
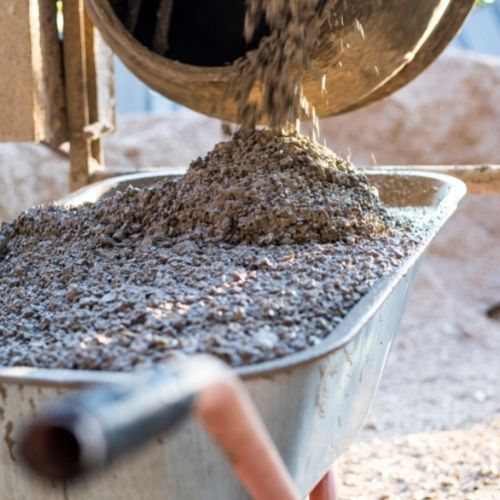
{"points": [[198, 264]]}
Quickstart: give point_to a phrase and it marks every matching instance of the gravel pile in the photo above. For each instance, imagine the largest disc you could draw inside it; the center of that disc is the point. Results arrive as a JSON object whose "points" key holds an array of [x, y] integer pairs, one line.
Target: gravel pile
{"points": [[266, 188], [145, 273]]}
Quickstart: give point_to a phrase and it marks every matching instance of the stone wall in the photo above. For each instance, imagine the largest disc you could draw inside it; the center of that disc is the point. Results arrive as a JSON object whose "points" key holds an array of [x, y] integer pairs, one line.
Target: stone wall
{"points": [[451, 114]]}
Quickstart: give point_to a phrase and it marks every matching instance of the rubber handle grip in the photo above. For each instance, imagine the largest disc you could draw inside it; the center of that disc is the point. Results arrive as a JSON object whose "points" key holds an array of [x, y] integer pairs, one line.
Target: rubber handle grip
{"points": [[85, 431]]}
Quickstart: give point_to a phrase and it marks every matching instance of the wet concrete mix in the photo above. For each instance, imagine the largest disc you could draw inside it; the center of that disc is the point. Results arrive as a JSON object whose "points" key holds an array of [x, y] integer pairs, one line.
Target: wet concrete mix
{"points": [[258, 252]]}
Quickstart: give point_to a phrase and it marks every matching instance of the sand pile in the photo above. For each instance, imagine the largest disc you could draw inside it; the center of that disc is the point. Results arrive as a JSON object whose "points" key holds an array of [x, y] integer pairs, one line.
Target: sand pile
{"points": [[458, 463]]}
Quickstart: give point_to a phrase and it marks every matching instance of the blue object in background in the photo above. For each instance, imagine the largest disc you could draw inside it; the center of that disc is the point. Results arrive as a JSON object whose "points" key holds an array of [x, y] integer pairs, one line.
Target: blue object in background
{"points": [[133, 96], [480, 33]]}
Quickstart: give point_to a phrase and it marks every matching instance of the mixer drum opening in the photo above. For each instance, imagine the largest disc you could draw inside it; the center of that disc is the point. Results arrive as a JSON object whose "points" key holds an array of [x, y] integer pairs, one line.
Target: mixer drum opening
{"points": [[399, 39], [198, 32]]}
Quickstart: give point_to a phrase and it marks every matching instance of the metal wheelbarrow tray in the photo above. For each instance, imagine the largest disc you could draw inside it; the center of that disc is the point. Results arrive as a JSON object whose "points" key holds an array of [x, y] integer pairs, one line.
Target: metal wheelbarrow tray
{"points": [[313, 402]]}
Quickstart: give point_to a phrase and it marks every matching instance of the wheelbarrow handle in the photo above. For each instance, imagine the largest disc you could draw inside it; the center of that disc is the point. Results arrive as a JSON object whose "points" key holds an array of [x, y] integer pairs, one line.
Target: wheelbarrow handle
{"points": [[86, 431]]}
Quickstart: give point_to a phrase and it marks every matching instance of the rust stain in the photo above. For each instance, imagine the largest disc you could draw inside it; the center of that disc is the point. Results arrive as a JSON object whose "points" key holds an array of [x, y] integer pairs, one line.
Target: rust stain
{"points": [[9, 440], [3, 392], [32, 406]]}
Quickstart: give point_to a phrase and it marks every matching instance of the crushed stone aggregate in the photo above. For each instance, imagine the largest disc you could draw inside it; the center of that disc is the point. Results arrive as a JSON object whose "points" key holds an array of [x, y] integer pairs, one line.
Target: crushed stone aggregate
{"points": [[198, 264]]}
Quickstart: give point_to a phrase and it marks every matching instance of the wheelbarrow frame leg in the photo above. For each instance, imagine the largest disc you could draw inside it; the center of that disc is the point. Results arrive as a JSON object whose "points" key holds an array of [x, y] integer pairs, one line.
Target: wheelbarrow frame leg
{"points": [[327, 488]]}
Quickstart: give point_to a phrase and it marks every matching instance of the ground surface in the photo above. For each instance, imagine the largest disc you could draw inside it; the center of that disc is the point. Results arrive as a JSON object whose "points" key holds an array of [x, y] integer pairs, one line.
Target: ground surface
{"points": [[441, 464], [434, 431]]}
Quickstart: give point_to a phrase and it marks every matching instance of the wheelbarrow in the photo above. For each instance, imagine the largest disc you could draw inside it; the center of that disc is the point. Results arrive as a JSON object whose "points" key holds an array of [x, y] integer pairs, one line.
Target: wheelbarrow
{"points": [[279, 425]]}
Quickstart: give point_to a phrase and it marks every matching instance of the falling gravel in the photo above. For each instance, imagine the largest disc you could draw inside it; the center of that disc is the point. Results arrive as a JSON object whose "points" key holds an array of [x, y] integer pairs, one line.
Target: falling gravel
{"points": [[269, 79], [258, 252]]}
